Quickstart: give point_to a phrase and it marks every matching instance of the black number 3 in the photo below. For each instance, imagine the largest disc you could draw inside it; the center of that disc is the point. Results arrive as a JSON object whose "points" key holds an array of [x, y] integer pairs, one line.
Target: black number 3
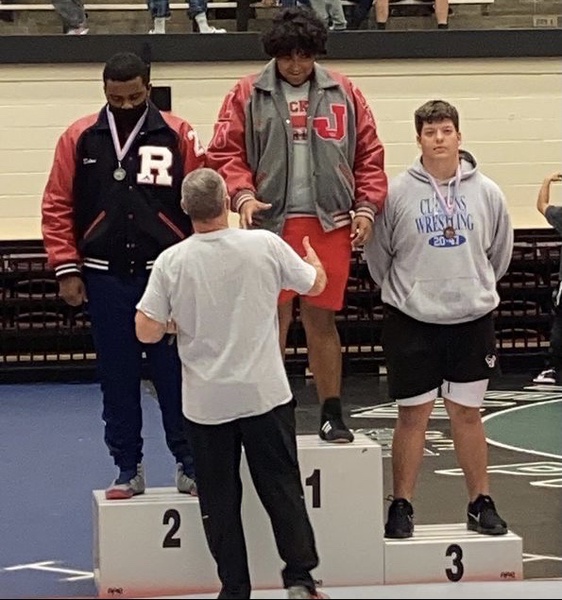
{"points": [[455, 574]]}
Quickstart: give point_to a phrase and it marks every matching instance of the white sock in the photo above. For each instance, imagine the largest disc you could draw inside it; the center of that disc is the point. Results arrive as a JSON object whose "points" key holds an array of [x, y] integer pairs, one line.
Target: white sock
{"points": [[159, 25], [201, 19]]}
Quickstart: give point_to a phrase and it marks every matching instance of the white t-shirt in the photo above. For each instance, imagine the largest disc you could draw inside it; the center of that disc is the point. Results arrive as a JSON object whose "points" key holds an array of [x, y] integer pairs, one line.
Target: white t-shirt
{"points": [[221, 288]]}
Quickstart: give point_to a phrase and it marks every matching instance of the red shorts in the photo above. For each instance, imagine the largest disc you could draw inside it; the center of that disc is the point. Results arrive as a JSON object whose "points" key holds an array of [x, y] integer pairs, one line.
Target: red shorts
{"points": [[334, 251]]}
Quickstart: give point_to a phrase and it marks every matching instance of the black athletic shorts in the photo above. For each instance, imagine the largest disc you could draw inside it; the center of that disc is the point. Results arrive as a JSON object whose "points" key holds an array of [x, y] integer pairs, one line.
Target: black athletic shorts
{"points": [[420, 356]]}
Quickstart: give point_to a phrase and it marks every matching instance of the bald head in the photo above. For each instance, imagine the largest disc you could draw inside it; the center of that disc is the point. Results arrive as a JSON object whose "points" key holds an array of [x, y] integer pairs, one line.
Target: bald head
{"points": [[204, 196]]}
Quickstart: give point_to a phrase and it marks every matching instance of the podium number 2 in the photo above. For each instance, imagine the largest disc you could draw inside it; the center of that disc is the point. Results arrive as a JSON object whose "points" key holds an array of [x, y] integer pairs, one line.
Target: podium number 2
{"points": [[314, 482], [172, 516], [455, 574]]}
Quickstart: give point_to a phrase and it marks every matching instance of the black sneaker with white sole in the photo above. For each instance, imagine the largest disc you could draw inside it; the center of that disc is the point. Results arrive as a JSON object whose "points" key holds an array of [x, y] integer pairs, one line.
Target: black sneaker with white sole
{"points": [[333, 429], [400, 522], [483, 517]]}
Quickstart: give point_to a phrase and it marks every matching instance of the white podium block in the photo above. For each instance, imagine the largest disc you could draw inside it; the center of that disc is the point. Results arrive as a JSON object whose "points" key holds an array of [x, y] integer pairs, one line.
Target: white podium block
{"points": [[154, 543], [151, 545], [445, 553], [344, 497]]}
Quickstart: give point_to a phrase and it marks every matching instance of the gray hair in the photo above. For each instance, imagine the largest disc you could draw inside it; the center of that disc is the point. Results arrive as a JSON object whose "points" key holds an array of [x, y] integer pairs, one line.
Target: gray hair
{"points": [[203, 194]]}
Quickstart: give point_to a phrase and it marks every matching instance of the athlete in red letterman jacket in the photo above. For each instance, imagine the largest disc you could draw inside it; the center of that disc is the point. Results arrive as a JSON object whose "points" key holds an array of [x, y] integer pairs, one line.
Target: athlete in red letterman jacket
{"points": [[110, 206], [298, 147]]}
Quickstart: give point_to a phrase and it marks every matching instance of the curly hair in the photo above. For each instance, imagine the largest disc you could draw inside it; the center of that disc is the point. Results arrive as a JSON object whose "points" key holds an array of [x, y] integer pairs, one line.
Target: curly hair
{"points": [[435, 111], [295, 30]]}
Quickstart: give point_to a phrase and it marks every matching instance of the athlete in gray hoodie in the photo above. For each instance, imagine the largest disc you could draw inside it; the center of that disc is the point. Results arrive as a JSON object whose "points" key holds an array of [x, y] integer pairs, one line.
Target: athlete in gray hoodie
{"points": [[443, 241]]}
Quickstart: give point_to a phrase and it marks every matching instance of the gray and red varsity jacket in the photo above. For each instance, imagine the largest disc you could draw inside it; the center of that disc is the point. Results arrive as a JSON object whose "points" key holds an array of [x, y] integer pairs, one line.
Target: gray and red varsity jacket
{"points": [[252, 148]]}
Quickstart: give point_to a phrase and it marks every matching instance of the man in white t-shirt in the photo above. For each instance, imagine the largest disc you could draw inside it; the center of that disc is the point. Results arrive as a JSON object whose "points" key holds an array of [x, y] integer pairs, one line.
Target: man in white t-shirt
{"points": [[218, 290]]}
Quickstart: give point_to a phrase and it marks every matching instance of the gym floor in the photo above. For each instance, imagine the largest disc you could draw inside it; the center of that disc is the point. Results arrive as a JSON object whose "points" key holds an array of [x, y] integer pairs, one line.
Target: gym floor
{"points": [[53, 456]]}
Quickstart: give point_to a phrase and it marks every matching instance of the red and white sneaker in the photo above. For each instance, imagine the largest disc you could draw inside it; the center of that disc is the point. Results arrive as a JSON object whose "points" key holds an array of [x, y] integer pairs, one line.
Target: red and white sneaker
{"points": [[125, 491]]}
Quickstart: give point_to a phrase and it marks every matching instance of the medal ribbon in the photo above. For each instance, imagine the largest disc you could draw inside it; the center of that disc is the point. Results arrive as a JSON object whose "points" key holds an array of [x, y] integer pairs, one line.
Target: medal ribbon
{"points": [[121, 152], [447, 203]]}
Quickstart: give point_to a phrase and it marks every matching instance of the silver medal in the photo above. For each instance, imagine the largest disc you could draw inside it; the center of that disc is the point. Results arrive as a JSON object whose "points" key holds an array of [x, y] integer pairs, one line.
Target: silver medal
{"points": [[119, 174]]}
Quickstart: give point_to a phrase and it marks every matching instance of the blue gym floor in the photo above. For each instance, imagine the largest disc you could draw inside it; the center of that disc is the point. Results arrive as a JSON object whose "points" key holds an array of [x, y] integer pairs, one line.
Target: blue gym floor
{"points": [[53, 456]]}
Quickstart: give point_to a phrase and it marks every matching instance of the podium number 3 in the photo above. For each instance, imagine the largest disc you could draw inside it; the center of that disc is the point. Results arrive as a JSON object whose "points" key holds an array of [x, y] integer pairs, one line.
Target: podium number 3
{"points": [[172, 516], [314, 482], [457, 572]]}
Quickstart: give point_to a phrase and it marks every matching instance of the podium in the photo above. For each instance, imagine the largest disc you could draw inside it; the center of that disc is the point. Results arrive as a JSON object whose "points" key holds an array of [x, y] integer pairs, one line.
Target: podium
{"points": [[154, 544], [150, 545], [343, 492], [445, 553]]}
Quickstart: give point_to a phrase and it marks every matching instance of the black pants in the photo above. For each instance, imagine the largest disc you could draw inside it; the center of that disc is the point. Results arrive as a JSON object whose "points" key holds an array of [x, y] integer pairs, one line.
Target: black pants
{"points": [[269, 442], [556, 338]]}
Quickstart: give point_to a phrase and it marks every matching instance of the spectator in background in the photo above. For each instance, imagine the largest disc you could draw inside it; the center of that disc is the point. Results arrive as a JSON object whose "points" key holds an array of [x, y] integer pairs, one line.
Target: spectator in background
{"points": [[221, 287], [331, 13], [197, 11], [73, 16], [362, 9], [297, 145], [553, 214], [288, 3], [438, 250], [110, 206]]}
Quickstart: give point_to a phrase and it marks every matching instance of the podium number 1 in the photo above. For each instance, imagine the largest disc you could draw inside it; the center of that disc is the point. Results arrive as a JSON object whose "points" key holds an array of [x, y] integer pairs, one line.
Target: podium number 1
{"points": [[314, 482]]}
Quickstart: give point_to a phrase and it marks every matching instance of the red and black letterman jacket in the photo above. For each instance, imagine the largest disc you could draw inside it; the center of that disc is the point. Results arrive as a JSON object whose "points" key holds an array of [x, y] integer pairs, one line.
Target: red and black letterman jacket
{"points": [[90, 219]]}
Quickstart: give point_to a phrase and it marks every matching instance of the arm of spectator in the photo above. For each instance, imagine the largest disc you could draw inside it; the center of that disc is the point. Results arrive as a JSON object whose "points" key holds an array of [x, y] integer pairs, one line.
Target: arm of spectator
{"points": [[543, 198]]}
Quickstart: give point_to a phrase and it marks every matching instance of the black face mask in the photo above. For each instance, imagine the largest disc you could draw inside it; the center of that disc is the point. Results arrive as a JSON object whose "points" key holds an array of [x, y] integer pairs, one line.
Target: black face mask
{"points": [[128, 117]]}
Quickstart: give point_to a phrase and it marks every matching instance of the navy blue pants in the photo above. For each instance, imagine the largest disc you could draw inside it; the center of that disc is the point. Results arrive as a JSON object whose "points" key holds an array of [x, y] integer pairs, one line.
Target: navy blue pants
{"points": [[112, 306]]}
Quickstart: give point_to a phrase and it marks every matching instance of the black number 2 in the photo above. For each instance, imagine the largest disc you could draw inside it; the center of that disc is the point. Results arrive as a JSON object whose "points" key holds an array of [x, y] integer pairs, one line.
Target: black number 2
{"points": [[455, 574], [314, 482], [169, 540]]}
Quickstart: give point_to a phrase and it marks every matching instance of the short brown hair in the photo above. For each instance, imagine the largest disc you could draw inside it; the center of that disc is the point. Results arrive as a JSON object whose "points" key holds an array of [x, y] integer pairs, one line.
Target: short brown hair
{"points": [[435, 111]]}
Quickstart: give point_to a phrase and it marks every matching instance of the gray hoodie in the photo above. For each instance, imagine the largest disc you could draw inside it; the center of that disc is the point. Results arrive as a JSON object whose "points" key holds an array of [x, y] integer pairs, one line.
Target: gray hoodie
{"points": [[426, 274]]}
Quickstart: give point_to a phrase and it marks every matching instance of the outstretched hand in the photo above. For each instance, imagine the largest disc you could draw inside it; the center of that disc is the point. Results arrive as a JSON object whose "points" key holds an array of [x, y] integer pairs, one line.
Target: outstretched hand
{"points": [[311, 257], [249, 209]]}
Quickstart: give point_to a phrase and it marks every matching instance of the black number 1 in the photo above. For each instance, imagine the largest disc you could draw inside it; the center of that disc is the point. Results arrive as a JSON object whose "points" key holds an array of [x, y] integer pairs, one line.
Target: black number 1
{"points": [[314, 482]]}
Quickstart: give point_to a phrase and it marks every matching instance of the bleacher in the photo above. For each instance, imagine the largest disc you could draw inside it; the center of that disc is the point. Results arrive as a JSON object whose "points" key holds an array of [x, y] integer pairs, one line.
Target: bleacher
{"points": [[42, 338], [240, 11]]}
